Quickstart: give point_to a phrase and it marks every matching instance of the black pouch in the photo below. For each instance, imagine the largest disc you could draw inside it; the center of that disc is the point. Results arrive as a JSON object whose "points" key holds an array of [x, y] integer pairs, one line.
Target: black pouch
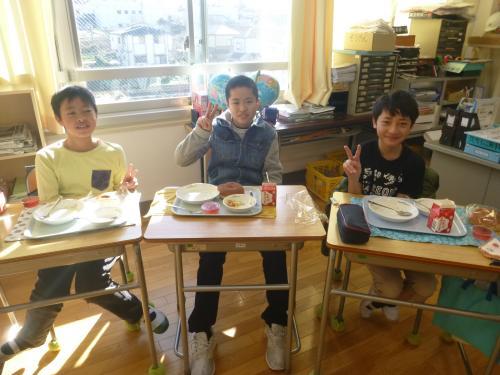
{"points": [[352, 224]]}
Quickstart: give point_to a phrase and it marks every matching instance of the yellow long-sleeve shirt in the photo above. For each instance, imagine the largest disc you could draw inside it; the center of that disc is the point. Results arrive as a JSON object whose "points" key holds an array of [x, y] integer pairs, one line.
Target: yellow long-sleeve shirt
{"points": [[60, 171]]}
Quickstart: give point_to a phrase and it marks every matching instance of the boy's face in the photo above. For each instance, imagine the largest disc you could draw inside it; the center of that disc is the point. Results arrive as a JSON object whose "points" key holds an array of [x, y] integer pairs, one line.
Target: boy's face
{"points": [[392, 130], [78, 118], [243, 105]]}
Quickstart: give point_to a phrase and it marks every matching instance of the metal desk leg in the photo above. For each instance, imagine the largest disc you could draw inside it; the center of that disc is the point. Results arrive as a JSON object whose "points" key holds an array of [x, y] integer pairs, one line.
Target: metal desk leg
{"points": [[465, 358], [493, 358], [156, 368], [414, 337], [181, 302], [324, 314], [3, 299], [338, 268], [338, 322], [291, 304]]}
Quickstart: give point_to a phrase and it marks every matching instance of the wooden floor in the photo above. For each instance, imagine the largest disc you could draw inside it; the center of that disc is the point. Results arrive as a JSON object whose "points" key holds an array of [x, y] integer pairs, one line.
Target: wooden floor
{"points": [[96, 342]]}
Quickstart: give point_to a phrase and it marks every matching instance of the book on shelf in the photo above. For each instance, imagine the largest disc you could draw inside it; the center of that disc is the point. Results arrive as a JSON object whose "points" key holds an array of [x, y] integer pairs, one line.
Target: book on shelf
{"points": [[17, 139]]}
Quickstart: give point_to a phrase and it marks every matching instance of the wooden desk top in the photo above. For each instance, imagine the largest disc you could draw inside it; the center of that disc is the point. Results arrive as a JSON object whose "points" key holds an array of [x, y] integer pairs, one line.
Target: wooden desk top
{"points": [[339, 120], [181, 229], [458, 256], [36, 249]]}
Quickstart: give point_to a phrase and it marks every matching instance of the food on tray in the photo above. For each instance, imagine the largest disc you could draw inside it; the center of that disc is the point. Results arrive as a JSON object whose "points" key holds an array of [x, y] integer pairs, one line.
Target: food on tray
{"points": [[239, 202], [234, 203], [210, 207], [481, 233], [230, 188], [482, 215]]}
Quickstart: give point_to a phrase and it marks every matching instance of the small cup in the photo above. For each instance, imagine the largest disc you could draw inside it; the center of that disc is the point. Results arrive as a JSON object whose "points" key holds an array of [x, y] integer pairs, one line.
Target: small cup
{"points": [[481, 233], [30, 202]]}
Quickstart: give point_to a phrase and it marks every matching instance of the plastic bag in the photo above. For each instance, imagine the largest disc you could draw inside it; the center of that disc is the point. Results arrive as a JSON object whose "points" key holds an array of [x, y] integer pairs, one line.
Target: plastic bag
{"points": [[304, 207]]}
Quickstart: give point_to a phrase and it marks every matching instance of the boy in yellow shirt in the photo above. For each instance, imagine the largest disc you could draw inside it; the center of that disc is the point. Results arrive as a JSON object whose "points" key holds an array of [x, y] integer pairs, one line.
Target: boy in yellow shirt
{"points": [[73, 167]]}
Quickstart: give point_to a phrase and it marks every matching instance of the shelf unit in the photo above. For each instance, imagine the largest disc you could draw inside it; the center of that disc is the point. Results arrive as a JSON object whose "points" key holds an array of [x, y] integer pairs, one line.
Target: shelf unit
{"points": [[444, 85], [19, 106]]}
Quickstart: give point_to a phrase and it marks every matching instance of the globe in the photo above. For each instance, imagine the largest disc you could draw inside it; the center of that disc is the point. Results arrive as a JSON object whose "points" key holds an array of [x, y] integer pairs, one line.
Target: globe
{"points": [[269, 89], [267, 86], [217, 90]]}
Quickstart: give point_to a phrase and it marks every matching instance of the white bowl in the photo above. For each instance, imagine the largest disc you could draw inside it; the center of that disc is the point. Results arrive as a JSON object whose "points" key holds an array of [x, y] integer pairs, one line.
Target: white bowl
{"points": [[239, 202], [65, 211], [105, 215], [197, 193], [394, 202]]}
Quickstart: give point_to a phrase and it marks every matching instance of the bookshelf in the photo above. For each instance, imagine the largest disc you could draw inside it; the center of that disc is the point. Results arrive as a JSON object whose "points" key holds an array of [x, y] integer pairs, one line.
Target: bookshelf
{"points": [[19, 107]]}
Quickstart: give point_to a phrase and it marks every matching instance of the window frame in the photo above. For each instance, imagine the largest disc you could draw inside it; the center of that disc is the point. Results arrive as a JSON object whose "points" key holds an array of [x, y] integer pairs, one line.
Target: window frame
{"points": [[145, 110]]}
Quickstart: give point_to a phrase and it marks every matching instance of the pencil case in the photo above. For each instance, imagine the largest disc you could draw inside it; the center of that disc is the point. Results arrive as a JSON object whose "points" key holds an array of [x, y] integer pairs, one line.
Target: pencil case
{"points": [[352, 224]]}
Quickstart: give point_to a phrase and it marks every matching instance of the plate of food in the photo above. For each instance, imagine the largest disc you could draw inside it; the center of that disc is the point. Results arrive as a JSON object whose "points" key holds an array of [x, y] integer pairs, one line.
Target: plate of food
{"points": [[397, 210], [197, 193], [239, 202], [59, 212], [424, 205]]}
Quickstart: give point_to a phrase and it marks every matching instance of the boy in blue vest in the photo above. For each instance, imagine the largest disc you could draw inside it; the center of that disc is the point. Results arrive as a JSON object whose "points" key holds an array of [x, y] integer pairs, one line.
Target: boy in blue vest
{"points": [[243, 149]]}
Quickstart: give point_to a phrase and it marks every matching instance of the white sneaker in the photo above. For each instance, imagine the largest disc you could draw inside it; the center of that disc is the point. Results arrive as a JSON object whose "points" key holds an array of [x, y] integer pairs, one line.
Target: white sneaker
{"points": [[366, 308], [201, 354], [275, 353]]}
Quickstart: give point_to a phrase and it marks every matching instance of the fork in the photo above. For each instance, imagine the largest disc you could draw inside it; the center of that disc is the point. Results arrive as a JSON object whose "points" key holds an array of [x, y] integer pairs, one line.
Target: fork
{"points": [[399, 212]]}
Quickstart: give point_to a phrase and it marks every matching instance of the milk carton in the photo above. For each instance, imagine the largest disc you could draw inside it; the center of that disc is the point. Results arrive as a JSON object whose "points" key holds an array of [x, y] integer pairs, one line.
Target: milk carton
{"points": [[441, 216], [268, 196]]}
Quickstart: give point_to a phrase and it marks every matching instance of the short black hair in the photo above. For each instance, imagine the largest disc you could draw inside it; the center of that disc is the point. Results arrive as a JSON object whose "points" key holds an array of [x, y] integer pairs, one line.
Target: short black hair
{"points": [[397, 103], [70, 93], [241, 81]]}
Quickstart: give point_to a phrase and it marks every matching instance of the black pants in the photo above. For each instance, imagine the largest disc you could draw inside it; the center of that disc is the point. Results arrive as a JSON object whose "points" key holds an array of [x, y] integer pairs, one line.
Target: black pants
{"points": [[210, 272], [56, 282]]}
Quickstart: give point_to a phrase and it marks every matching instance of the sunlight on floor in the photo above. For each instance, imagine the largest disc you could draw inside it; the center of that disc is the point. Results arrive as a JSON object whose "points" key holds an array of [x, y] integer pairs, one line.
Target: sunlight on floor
{"points": [[41, 361], [231, 332]]}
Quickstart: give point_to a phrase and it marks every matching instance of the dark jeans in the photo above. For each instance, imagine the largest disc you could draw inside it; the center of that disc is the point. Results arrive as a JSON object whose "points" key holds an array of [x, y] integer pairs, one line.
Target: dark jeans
{"points": [[56, 282], [210, 272]]}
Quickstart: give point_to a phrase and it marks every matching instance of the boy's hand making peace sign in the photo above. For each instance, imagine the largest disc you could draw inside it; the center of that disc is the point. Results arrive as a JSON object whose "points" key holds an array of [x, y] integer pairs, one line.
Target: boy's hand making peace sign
{"points": [[352, 166], [205, 122]]}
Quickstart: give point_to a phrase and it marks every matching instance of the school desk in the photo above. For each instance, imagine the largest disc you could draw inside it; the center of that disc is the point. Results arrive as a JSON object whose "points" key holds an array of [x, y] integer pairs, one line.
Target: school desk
{"points": [[235, 234], [464, 261], [32, 255]]}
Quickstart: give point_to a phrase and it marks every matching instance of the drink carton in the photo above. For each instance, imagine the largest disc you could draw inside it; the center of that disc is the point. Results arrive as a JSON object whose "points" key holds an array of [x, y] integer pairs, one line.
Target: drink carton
{"points": [[268, 191], [441, 216]]}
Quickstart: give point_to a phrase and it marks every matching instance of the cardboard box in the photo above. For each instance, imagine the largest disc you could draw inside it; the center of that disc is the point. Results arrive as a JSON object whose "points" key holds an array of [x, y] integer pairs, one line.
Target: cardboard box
{"points": [[363, 41], [405, 40]]}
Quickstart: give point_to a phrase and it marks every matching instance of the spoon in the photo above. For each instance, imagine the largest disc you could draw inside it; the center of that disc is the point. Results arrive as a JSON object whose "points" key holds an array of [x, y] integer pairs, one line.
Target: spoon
{"points": [[399, 212], [51, 210]]}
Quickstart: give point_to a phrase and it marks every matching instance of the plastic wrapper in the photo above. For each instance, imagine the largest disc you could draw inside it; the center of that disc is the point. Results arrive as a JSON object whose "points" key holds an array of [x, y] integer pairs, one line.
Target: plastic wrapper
{"points": [[304, 208]]}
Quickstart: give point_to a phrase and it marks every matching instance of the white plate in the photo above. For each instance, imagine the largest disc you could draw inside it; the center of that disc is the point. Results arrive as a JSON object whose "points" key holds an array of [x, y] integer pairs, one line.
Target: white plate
{"points": [[105, 215], [424, 205], [395, 202], [197, 193], [65, 211], [239, 202]]}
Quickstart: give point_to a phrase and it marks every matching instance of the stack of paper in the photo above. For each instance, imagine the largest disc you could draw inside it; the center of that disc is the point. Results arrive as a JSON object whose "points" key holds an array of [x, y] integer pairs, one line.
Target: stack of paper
{"points": [[16, 139], [346, 73], [290, 113]]}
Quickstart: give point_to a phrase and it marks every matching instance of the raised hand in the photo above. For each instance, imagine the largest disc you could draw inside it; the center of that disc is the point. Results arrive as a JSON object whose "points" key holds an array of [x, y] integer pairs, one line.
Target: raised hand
{"points": [[352, 166], [129, 182], [205, 122]]}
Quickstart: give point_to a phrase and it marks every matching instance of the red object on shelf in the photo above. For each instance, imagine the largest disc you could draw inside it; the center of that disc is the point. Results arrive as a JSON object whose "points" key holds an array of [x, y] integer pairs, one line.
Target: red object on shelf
{"points": [[30, 202]]}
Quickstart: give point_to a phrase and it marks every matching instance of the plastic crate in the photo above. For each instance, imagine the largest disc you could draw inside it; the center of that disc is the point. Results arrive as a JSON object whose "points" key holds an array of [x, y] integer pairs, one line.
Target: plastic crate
{"points": [[323, 176], [338, 155]]}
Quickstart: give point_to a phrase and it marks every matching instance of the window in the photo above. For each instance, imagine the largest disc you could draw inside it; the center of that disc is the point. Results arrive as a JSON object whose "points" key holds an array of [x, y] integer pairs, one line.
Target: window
{"points": [[153, 58]]}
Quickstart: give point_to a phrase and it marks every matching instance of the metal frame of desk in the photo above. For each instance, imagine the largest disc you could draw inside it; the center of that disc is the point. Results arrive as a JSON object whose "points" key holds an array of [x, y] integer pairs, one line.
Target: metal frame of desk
{"points": [[235, 234]]}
